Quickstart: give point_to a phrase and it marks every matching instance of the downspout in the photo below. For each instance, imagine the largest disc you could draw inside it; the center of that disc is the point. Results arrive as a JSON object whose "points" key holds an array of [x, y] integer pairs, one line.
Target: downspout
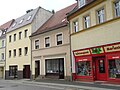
{"points": [[71, 79], [31, 58], [5, 56]]}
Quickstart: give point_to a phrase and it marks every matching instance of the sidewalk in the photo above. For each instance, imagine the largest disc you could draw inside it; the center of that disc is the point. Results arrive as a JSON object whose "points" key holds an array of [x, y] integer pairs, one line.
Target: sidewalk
{"points": [[78, 83]]}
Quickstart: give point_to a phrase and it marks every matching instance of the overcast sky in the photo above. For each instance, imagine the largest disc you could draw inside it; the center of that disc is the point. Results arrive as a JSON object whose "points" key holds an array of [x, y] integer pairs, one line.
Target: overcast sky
{"points": [[12, 9]]}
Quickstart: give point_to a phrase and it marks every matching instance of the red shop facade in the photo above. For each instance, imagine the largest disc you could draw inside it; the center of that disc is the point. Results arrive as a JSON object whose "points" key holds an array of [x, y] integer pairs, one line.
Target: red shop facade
{"points": [[100, 63]]}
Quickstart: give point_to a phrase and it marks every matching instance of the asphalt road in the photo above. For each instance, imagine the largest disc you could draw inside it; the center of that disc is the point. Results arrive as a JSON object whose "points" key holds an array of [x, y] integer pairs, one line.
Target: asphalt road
{"points": [[31, 85]]}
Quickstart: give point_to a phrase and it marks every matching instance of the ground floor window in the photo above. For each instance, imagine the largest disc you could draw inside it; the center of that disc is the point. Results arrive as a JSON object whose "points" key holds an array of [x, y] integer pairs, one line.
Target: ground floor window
{"points": [[13, 71], [83, 68], [114, 68]]}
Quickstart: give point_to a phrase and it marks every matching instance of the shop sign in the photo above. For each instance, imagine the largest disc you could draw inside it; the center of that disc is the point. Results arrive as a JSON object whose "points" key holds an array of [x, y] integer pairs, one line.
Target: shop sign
{"points": [[112, 48], [82, 53], [83, 60], [97, 50]]}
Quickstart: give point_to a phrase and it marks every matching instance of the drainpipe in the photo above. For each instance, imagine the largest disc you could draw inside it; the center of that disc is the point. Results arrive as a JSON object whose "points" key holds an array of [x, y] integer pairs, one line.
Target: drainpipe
{"points": [[31, 59], [5, 57], [71, 79]]}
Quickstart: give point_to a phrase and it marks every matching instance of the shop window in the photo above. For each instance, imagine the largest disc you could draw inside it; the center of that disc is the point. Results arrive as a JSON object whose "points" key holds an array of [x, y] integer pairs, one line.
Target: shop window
{"points": [[83, 68], [13, 71], [114, 68]]}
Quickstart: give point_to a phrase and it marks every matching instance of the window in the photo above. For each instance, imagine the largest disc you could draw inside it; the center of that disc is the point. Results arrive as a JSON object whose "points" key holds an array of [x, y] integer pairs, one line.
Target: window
{"points": [[3, 43], [14, 37], [21, 21], [36, 44], [86, 21], [75, 25], [20, 35], [14, 24], [59, 39], [9, 53], [26, 32], [114, 68], [47, 41], [100, 15], [14, 52], [20, 51], [83, 68], [2, 56], [29, 18], [10, 37], [13, 71], [26, 51], [81, 3], [117, 8]]}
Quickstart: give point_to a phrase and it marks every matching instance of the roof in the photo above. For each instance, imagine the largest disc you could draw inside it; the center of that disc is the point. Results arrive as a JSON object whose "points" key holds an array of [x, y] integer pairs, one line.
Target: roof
{"points": [[56, 21], [6, 25], [24, 20]]}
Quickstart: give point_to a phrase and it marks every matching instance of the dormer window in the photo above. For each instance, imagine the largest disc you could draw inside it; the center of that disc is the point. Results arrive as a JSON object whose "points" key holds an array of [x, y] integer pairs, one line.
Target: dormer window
{"points": [[14, 24], [29, 17], [81, 3], [21, 21]]}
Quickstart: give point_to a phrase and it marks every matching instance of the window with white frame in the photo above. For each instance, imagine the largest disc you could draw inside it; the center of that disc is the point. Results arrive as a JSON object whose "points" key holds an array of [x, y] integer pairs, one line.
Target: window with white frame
{"points": [[26, 51], [117, 8], [3, 57], [87, 21], [20, 35], [75, 25], [26, 33], [3, 43], [20, 51], [14, 52], [14, 37], [9, 53], [47, 42], [36, 44], [81, 3], [59, 39], [101, 15]]}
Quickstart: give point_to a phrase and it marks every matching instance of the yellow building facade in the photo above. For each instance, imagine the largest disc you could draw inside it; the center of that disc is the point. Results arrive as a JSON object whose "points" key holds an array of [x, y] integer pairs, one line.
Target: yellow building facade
{"points": [[95, 41]]}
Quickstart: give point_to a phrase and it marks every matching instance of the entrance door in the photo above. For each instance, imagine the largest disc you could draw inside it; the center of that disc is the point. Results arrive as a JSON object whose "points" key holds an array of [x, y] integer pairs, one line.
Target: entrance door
{"points": [[26, 71], [37, 68], [1, 72], [100, 69], [61, 67]]}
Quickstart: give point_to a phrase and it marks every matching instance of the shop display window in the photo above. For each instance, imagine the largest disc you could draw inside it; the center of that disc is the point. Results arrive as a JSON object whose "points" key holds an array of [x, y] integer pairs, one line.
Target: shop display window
{"points": [[114, 68], [83, 68]]}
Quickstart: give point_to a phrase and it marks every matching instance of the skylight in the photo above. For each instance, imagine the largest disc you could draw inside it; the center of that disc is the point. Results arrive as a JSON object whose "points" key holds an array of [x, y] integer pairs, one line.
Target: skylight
{"points": [[14, 24], [21, 21], [29, 18]]}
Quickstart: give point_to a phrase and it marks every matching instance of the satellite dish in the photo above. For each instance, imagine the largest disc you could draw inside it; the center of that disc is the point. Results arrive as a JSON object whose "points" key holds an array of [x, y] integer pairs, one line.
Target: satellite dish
{"points": [[0, 32]]}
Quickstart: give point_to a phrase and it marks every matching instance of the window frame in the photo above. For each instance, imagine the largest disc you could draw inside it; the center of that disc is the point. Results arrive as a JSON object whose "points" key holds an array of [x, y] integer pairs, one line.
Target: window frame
{"points": [[82, 3], [3, 43], [10, 38], [75, 26], [20, 51], [15, 37], [14, 53], [87, 22], [2, 56], [56, 36], [116, 8], [10, 53], [20, 35], [46, 45], [25, 51], [26, 33], [37, 46]]}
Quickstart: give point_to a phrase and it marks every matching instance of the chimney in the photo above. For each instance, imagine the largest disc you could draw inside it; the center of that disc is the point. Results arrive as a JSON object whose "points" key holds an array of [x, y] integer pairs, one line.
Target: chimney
{"points": [[53, 11], [29, 10]]}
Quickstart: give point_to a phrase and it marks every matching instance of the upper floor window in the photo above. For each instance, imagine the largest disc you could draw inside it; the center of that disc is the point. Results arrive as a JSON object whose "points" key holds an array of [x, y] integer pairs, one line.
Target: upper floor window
{"points": [[9, 53], [26, 33], [14, 37], [87, 21], [20, 51], [117, 8], [21, 21], [75, 25], [3, 57], [36, 44], [29, 17], [14, 52], [101, 15], [26, 51], [20, 35], [81, 3], [59, 39], [14, 24], [3, 43], [10, 38], [47, 41]]}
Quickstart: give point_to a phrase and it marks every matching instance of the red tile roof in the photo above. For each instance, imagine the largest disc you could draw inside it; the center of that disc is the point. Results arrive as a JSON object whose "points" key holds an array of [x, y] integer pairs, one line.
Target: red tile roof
{"points": [[58, 20], [7, 24]]}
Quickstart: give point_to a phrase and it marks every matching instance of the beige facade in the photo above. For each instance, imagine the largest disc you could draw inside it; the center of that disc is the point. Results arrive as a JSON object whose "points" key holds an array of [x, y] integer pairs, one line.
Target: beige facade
{"points": [[53, 52], [97, 26]]}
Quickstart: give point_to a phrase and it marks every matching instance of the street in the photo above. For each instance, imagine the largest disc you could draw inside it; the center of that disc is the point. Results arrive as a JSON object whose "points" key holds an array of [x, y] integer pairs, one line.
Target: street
{"points": [[31, 85]]}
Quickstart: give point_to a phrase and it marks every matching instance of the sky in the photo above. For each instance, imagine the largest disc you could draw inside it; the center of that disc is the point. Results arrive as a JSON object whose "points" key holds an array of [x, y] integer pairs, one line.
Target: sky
{"points": [[12, 9]]}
